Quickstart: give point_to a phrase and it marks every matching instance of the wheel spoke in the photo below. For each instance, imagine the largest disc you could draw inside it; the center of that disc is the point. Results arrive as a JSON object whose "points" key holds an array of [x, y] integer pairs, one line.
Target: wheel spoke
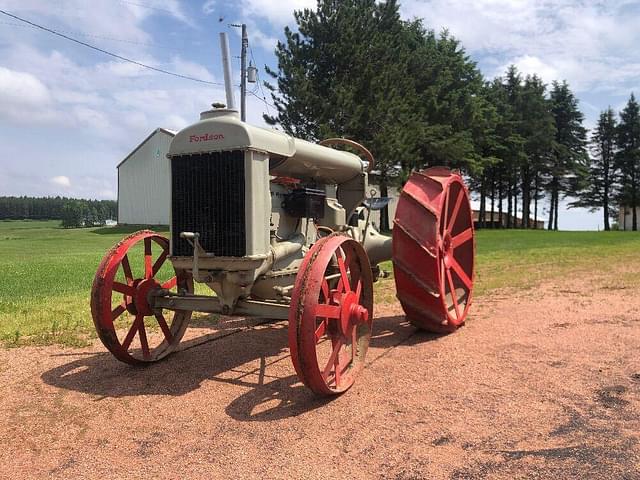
{"points": [[169, 284], [444, 221], [358, 291], [336, 345], [454, 297], [460, 272], [451, 221], [159, 262], [328, 311], [116, 312], [131, 333], [126, 267], [126, 323], [354, 343], [343, 365], [322, 328], [336, 369], [143, 339], [462, 238], [347, 263], [325, 289], [343, 275], [164, 327], [148, 269], [125, 289]]}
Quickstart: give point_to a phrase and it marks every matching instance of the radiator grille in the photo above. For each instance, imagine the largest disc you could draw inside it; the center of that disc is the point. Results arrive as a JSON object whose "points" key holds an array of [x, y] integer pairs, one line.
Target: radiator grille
{"points": [[207, 196]]}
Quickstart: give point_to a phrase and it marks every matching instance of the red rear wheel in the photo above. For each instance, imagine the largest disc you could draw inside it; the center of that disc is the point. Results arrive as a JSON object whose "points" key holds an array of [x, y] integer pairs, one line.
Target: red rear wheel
{"points": [[331, 315], [434, 250], [128, 274]]}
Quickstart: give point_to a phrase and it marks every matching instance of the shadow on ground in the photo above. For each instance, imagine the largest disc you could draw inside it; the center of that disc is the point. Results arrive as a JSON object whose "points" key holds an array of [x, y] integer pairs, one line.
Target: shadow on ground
{"points": [[272, 392]]}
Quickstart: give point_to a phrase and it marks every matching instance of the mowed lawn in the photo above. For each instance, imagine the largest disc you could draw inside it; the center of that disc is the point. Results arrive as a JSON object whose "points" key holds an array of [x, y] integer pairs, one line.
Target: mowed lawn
{"points": [[46, 271]]}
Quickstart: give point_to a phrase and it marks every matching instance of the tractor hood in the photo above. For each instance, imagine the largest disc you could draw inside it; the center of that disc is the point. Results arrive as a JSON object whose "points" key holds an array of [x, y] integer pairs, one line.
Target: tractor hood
{"points": [[222, 130]]}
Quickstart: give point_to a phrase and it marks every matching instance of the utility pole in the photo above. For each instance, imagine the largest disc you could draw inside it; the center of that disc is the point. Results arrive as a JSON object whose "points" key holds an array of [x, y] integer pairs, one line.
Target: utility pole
{"points": [[246, 74], [243, 68]]}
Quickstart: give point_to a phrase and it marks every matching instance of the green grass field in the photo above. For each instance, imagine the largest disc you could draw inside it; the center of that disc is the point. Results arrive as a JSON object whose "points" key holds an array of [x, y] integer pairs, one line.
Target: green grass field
{"points": [[46, 271]]}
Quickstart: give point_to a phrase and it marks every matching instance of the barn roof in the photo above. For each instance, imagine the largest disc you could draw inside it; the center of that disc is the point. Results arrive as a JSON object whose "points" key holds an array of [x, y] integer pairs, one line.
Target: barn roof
{"points": [[171, 133]]}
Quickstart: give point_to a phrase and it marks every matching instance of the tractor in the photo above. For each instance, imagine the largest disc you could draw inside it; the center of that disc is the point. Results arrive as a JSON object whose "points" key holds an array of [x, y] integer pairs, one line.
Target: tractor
{"points": [[272, 226]]}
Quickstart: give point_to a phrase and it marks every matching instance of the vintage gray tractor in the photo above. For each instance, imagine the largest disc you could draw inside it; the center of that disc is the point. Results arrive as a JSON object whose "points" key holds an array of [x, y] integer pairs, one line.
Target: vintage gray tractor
{"points": [[280, 228]]}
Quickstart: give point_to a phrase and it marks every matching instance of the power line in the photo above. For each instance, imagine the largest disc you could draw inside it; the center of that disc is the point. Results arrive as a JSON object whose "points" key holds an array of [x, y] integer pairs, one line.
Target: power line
{"points": [[264, 96], [144, 5], [265, 101], [132, 42], [119, 57]]}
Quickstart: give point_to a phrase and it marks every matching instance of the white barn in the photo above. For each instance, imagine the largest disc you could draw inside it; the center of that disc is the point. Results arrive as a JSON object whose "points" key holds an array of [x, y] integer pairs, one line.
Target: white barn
{"points": [[144, 182]]}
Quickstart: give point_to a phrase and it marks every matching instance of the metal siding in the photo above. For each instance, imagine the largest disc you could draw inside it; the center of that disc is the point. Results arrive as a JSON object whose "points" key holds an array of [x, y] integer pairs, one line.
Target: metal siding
{"points": [[144, 184]]}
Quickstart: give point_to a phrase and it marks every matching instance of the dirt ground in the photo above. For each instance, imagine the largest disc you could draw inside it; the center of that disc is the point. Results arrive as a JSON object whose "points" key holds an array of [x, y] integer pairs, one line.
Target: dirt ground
{"points": [[540, 383]]}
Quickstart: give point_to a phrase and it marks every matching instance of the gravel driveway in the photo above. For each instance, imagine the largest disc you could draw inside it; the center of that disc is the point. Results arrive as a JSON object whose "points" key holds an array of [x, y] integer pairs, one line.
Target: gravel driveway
{"points": [[541, 383]]}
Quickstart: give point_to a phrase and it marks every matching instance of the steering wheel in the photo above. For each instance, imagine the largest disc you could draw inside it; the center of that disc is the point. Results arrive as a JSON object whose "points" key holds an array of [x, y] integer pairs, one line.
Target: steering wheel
{"points": [[360, 148]]}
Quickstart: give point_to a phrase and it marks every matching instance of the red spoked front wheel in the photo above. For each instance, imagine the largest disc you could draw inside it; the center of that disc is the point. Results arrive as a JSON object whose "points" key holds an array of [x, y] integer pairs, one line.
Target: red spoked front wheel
{"points": [[127, 276], [434, 250], [331, 315]]}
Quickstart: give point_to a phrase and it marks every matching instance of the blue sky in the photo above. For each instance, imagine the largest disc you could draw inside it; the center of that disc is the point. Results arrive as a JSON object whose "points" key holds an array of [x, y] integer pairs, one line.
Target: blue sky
{"points": [[68, 114]]}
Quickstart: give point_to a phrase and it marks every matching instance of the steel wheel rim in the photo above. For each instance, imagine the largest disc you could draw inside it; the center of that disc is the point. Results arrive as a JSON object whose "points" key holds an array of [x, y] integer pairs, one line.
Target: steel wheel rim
{"points": [[456, 236], [434, 250], [329, 317], [112, 301]]}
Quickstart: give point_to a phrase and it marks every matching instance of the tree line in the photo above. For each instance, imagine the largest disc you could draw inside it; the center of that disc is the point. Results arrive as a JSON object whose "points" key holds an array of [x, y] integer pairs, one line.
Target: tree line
{"points": [[355, 69], [611, 180], [72, 212]]}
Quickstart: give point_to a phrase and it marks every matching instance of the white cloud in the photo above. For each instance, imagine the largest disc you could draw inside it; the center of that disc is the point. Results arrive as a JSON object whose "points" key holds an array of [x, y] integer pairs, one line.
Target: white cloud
{"points": [[98, 17], [590, 44], [188, 68], [259, 37], [22, 88], [24, 98], [55, 90], [175, 122], [85, 186], [61, 181], [209, 6], [277, 12], [530, 65]]}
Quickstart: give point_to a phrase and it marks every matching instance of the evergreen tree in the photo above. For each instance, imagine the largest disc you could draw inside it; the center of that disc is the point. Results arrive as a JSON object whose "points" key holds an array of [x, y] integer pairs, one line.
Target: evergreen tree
{"points": [[600, 186], [569, 151], [538, 130], [628, 157], [354, 69], [344, 74]]}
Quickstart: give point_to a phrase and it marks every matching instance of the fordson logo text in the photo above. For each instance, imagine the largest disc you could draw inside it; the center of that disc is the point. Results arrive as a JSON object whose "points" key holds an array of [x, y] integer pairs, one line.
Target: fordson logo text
{"points": [[207, 137]]}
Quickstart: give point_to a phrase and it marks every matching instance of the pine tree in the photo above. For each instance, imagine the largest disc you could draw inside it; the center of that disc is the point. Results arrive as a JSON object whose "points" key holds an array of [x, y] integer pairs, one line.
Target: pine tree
{"points": [[538, 129], [354, 69], [569, 150], [628, 157], [344, 74], [600, 185]]}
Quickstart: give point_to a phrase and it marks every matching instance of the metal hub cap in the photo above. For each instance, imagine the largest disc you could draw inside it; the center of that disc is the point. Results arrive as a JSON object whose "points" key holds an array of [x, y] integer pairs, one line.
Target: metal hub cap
{"points": [[351, 313], [141, 299]]}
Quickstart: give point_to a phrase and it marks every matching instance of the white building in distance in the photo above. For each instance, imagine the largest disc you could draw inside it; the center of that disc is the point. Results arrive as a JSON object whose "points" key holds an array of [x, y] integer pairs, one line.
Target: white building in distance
{"points": [[625, 217], [144, 182]]}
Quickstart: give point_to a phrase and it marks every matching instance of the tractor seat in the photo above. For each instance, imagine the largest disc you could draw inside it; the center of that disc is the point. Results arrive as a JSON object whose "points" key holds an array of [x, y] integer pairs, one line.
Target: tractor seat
{"points": [[376, 203]]}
